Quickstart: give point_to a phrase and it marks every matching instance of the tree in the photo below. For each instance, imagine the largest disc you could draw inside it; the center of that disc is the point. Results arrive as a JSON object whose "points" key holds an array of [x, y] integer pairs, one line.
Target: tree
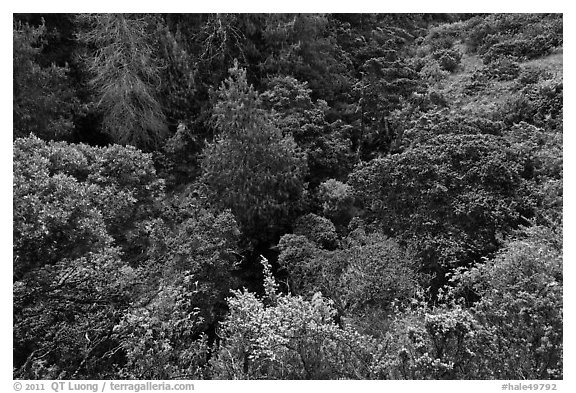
{"points": [[326, 144], [303, 47], [70, 199], [368, 278], [44, 101], [125, 76], [80, 216], [318, 229], [380, 278], [452, 198], [386, 81], [337, 200], [184, 282], [196, 254], [370, 157], [252, 168], [65, 314]]}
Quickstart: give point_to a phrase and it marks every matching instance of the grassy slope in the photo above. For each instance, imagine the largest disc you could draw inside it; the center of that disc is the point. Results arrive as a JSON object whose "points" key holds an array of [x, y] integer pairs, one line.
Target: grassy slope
{"points": [[497, 93]]}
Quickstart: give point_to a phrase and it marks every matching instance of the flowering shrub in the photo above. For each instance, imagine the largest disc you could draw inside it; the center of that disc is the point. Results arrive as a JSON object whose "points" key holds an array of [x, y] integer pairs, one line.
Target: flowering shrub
{"points": [[521, 306], [292, 338], [514, 330]]}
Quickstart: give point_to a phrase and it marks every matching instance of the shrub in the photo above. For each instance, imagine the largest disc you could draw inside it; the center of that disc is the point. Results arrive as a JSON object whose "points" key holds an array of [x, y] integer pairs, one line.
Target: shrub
{"points": [[433, 344], [448, 59], [433, 71], [532, 75], [379, 279], [512, 331], [291, 338], [502, 69], [520, 306], [520, 49], [521, 36], [540, 104]]}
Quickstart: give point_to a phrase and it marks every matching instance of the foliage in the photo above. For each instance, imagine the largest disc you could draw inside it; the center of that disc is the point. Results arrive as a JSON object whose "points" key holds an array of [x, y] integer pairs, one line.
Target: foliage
{"points": [[379, 274], [44, 100], [298, 256], [432, 71], [502, 69], [197, 256], [389, 188], [522, 36], [157, 347], [125, 75], [302, 46], [177, 73], [521, 303], [448, 59], [72, 205], [71, 199], [513, 332], [369, 275], [538, 104], [178, 162], [532, 75], [318, 229], [290, 339], [450, 198], [252, 168], [65, 314], [219, 39], [337, 200], [521, 48], [429, 125], [432, 344], [327, 145], [386, 83], [442, 37]]}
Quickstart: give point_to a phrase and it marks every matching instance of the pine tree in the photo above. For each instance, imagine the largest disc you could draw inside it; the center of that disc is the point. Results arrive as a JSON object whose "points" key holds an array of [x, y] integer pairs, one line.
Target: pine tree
{"points": [[252, 168]]}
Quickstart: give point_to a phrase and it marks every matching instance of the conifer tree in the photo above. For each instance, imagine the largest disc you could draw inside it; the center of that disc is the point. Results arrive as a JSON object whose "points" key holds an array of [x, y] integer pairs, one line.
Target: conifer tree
{"points": [[252, 168], [125, 76]]}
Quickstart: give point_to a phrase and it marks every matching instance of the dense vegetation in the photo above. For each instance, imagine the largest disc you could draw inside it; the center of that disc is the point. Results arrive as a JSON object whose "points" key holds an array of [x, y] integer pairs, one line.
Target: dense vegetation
{"points": [[255, 196]]}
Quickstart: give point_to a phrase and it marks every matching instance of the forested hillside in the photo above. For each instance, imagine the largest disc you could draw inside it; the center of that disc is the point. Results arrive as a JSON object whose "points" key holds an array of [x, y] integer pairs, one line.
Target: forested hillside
{"points": [[275, 196]]}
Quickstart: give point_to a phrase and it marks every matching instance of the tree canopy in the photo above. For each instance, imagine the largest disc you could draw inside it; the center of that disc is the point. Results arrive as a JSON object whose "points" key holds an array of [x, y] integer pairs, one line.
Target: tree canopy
{"points": [[288, 196]]}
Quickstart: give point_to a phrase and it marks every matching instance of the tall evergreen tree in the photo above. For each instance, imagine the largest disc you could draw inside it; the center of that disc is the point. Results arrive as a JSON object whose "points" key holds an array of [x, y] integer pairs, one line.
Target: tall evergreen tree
{"points": [[252, 168], [125, 76]]}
